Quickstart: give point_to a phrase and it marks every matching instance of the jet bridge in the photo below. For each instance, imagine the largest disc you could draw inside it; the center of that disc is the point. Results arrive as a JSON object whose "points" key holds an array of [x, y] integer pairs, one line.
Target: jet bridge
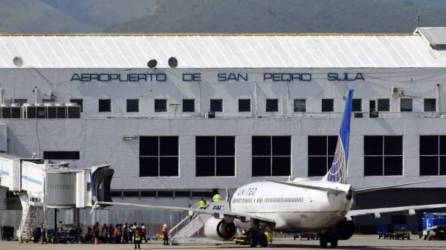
{"points": [[42, 185]]}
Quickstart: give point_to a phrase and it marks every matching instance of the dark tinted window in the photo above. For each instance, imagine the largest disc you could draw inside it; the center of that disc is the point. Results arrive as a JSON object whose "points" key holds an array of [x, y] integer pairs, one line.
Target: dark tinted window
{"points": [[271, 155], [406, 105], [188, 105], [104, 105], [160, 105], [300, 105], [61, 155], [216, 105], [432, 155], [158, 156], [215, 155], [272, 105], [79, 102], [383, 155], [320, 154], [383, 105], [327, 105], [244, 105], [357, 105], [430, 105], [132, 105]]}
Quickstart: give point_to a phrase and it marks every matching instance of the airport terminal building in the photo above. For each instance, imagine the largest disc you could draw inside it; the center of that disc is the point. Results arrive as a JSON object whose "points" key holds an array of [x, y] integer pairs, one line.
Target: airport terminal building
{"points": [[179, 115]]}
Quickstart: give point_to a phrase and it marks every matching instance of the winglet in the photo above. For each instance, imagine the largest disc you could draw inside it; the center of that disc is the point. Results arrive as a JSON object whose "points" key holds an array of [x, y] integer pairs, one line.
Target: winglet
{"points": [[338, 169]]}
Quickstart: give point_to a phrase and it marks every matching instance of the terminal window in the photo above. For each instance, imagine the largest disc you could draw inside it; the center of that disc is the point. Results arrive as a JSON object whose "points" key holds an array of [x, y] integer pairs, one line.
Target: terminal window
{"points": [[216, 105], [383, 105], [215, 155], [188, 105], [327, 105], [271, 155], [430, 105], [321, 151], [244, 105], [79, 102], [356, 105], [432, 155], [104, 105], [160, 105], [272, 105], [300, 105], [61, 155], [132, 105], [158, 156], [383, 155], [406, 105]]}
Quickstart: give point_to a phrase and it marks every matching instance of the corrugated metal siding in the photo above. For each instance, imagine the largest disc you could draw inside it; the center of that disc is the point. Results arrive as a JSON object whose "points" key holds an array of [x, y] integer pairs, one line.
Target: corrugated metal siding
{"points": [[223, 51]]}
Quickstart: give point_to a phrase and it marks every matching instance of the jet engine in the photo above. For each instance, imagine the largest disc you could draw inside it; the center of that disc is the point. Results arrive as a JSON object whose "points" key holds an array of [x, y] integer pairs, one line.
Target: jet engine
{"points": [[344, 229], [219, 229]]}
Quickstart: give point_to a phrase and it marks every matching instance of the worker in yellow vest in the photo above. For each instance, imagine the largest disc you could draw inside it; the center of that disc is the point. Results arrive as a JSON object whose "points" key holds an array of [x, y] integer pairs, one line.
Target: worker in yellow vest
{"points": [[216, 198], [137, 238], [202, 204]]}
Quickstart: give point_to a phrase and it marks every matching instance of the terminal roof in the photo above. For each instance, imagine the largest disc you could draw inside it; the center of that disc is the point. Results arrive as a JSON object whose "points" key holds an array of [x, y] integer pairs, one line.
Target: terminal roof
{"points": [[416, 50]]}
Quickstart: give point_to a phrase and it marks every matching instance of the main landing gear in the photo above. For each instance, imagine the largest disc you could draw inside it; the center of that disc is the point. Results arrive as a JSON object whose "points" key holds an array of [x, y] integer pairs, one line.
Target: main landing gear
{"points": [[328, 236]]}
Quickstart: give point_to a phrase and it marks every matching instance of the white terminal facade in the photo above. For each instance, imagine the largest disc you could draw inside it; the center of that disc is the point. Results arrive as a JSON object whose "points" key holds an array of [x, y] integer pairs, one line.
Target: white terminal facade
{"points": [[236, 109]]}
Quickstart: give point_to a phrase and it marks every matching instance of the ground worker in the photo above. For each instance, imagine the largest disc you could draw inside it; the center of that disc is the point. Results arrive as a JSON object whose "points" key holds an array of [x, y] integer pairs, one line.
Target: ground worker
{"points": [[216, 198], [164, 231], [137, 238], [202, 204], [143, 233]]}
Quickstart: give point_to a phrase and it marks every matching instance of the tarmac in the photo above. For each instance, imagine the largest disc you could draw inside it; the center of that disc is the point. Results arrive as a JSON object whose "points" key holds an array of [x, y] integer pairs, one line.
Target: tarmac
{"points": [[356, 242]]}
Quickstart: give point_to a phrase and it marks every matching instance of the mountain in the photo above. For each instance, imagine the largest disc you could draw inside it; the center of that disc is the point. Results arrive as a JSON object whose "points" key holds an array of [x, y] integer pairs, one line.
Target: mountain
{"points": [[36, 16], [289, 16], [220, 16]]}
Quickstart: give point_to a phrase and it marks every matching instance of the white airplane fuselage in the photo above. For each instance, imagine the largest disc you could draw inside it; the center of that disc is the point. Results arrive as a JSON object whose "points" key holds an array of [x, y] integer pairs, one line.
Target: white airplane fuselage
{"points": [[292, 208]]}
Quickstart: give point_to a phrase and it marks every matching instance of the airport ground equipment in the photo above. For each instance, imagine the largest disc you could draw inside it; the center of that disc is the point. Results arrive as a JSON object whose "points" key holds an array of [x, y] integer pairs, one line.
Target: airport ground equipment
{"points": [[434, 226], [41, 185], [394, 232]]}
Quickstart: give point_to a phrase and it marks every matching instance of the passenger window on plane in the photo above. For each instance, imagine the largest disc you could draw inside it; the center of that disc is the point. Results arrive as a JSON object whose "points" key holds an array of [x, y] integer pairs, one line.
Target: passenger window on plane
{"points": [[160, 105], [104, 105], [327, 105]]}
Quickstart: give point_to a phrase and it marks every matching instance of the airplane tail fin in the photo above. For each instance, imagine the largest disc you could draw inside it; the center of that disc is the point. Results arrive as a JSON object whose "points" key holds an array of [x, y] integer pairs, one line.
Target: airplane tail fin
{"points": [[338, 169]]}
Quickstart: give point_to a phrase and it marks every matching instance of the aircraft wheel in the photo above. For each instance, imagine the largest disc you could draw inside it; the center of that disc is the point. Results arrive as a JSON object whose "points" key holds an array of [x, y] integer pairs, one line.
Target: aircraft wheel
{"points": [[323, 242], [334, 242]]}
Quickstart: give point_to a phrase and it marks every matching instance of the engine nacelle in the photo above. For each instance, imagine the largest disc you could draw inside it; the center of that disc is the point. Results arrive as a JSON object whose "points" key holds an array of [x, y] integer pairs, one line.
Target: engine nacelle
{"points": [[345, 229], [219, 229]]}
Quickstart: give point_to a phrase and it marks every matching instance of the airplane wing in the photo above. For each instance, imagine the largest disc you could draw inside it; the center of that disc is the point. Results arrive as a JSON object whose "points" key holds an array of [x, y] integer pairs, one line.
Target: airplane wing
{"points": [[220, 214], [324, 186], [378, 211], [371, 189]]}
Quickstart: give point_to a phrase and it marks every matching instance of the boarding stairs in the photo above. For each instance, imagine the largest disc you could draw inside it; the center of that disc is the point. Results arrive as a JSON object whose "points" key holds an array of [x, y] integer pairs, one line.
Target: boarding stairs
{"points": [[190, 230], [29, 219]]}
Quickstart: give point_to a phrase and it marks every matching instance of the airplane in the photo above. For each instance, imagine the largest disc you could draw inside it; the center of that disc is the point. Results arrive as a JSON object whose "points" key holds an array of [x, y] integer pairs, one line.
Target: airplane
{"points": [[299, 205]]}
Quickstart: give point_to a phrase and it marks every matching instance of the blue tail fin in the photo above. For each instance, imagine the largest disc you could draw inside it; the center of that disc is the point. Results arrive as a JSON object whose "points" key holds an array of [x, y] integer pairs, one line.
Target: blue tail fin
{"points": [[338, 169]]}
